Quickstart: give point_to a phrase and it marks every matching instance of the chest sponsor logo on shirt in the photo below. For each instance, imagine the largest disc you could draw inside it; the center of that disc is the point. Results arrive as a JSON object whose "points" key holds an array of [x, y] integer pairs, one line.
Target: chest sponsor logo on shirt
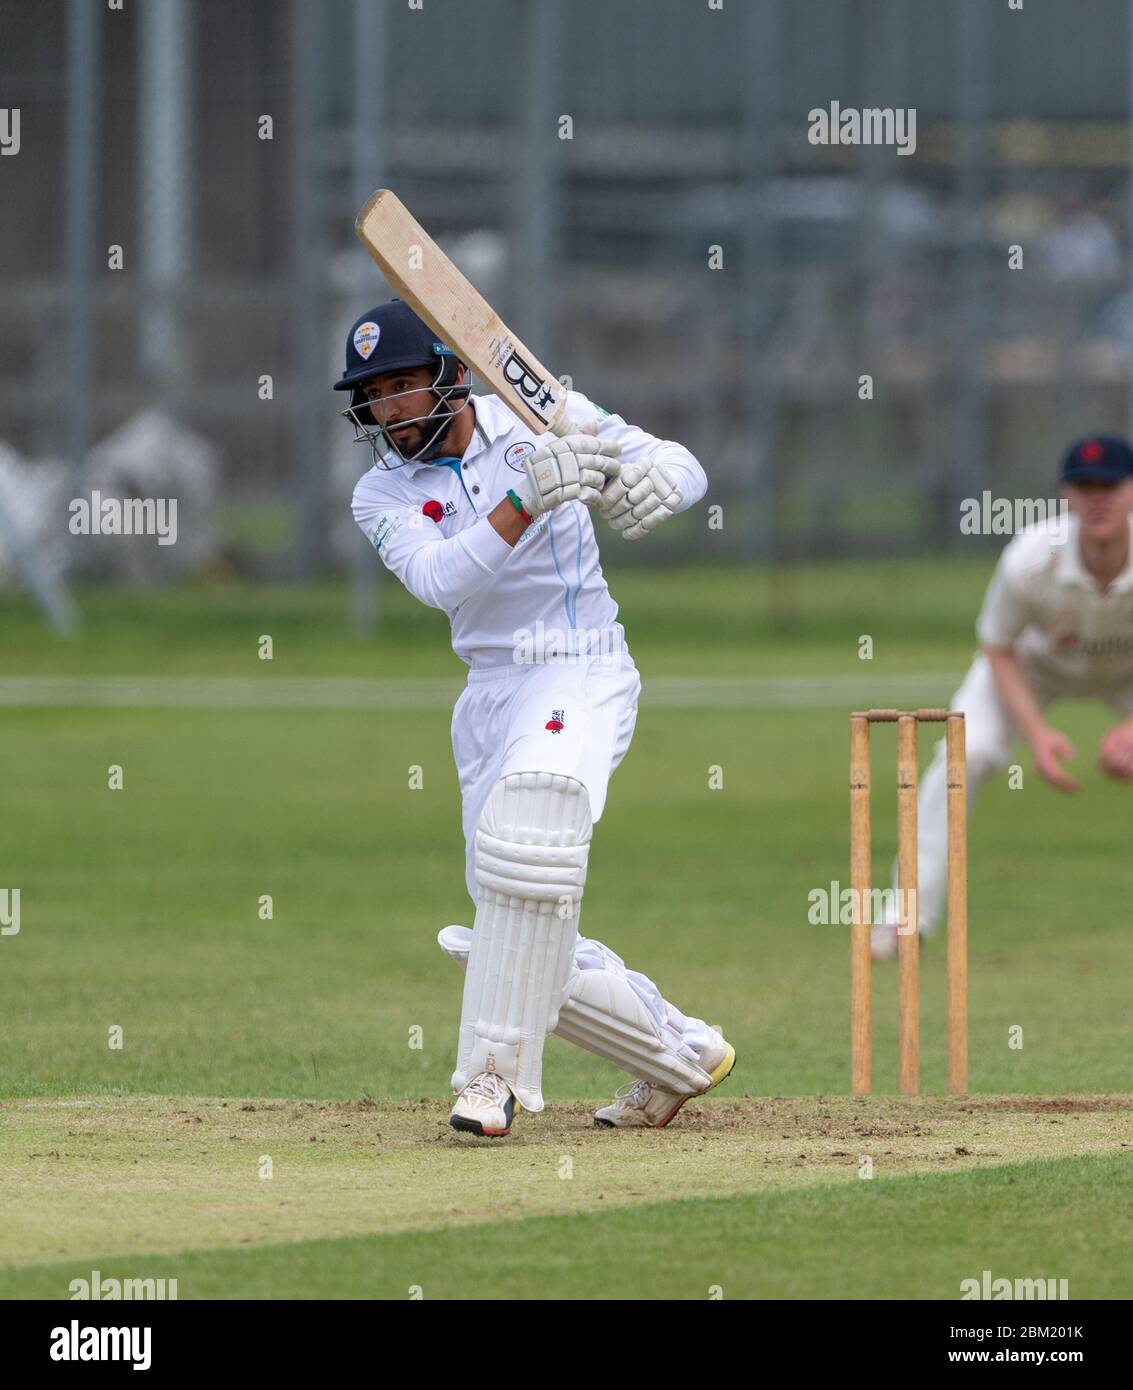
{"points": [[436, 512], [557, 722], [514, 454]]}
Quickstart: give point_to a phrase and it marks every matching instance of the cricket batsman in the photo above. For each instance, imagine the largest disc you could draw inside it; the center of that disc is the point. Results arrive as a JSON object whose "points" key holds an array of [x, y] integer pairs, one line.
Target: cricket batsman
{"points": [[477, 516], [1056, 623]]}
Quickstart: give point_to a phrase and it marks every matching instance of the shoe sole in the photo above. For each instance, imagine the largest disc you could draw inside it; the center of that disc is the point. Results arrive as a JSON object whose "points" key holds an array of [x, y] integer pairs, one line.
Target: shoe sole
{"points": [[722, 1072], [475, 1127]]}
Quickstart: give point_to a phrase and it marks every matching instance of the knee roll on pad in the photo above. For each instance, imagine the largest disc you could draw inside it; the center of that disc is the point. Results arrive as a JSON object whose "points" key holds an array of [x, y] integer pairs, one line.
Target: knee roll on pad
{"points": [[533, 837]]}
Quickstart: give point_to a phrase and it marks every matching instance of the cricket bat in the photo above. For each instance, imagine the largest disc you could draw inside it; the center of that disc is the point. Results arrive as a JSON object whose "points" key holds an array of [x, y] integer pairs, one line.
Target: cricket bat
{"points": [[424, 277]]}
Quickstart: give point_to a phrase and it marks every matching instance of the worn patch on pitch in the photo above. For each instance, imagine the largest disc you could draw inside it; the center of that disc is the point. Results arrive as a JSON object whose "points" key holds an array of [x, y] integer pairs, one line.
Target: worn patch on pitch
{"points": [[129, 1174]]}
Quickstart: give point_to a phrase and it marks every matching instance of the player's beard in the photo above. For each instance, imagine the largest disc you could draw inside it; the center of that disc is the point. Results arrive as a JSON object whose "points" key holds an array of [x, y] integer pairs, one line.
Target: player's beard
{"points": [[425, 442], [408, 440]]}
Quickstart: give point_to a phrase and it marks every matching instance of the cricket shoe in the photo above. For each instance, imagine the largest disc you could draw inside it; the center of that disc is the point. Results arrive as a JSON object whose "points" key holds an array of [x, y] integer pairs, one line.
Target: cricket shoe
{"points": [[486, 1106], [640, 1105]]}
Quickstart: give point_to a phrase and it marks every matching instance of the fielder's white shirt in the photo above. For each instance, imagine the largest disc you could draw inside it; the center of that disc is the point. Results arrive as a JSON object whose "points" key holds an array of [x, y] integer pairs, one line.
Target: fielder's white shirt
{"points": [[491, 591], [1044, 604]]}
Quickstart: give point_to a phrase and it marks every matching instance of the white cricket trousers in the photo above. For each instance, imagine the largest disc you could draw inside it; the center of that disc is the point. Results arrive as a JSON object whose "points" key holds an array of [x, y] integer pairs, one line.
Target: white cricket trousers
{"points": [[576, 717], [990, 736]]}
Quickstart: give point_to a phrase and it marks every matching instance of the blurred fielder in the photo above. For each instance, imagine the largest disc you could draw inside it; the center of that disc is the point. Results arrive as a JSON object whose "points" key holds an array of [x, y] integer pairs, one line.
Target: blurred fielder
{"points": [[1057, 623], [477, 517]]}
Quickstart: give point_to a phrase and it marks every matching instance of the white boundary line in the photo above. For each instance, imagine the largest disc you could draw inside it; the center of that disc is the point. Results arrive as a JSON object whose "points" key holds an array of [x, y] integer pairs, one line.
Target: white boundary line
{"points": [[412, 693]]}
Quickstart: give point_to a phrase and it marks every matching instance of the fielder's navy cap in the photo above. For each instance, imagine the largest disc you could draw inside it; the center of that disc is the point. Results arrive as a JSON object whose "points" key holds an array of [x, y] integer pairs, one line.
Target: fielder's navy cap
{"points": [[388, 339], [1099, 458]]}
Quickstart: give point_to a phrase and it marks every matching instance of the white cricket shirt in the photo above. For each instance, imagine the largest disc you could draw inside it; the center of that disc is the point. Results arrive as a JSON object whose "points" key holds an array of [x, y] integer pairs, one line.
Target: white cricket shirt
{"points": [[495, 593], [1042, 602]]}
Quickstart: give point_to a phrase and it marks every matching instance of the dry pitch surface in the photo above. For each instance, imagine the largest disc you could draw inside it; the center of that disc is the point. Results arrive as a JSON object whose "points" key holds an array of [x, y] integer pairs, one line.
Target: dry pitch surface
{"points": [[141, 1174]]}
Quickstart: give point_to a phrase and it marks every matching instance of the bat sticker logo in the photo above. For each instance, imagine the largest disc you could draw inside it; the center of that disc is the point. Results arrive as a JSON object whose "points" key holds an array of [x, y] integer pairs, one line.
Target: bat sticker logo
{"points": [[534, 390]]}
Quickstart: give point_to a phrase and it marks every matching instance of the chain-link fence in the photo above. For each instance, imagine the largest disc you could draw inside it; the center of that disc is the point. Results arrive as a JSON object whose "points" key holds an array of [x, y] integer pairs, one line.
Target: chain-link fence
{"points": [[635, 186]]}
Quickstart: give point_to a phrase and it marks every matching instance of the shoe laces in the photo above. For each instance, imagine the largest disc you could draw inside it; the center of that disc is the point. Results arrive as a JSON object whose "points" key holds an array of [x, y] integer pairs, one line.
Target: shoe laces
{"points": [[633, 1093], [487, 1084]]}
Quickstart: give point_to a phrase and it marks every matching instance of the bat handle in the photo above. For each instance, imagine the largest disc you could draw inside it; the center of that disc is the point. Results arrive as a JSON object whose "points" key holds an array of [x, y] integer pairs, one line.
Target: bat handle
{"points": [[567, 426]]}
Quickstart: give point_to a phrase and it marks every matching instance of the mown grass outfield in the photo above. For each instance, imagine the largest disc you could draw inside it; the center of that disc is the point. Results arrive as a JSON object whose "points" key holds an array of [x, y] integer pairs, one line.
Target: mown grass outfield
{"points": [[291, 1038]]}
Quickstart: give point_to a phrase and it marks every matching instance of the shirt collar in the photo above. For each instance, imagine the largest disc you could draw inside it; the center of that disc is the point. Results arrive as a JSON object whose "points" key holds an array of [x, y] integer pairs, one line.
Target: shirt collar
{"points": [[1068, 559], [1069, 567], [494, 419]]}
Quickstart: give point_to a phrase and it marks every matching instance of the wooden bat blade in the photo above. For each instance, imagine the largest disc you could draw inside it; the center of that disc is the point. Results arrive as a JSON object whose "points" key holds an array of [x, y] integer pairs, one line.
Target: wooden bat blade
{"points": [[424, 277]]}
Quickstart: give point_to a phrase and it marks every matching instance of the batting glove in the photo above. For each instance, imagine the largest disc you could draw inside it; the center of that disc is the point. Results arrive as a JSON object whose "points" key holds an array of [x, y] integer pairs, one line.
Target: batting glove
{"points": [[640, 498], [573, 469]]}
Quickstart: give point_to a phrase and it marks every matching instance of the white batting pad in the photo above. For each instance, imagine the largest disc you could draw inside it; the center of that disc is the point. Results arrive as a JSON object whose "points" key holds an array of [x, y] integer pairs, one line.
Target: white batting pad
{"points": [[614, 1016], [532, 845]]}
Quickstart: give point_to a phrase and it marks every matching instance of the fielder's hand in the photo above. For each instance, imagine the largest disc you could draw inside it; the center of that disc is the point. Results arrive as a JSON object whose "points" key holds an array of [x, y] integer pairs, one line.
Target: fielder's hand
{"points": [[573, 469], [640, 498], [1115, 756], [1050, 748]]}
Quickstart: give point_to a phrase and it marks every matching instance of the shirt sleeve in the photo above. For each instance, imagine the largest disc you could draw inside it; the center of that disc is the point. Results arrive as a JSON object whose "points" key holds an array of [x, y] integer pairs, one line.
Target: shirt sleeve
{"points": [[637, 446], [1005, 612], [441, 572]]}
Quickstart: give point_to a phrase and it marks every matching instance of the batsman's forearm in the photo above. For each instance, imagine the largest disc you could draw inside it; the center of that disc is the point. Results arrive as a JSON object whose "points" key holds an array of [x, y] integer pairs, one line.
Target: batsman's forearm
{"points": [[447, 572], [1014, 691], [507, 521], [690, 476]]}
